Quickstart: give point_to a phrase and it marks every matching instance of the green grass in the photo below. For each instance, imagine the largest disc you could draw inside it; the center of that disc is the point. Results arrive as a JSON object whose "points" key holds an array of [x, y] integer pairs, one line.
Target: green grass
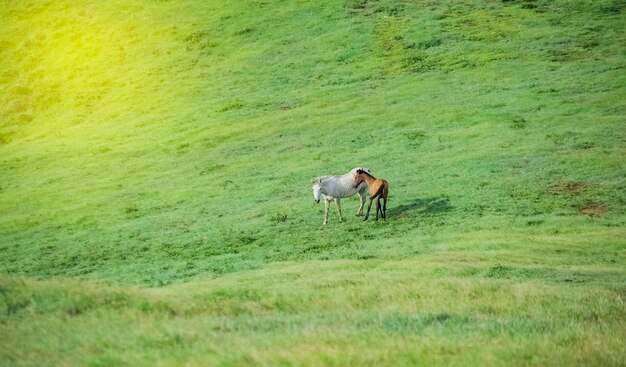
{"points": [[155, 167]]}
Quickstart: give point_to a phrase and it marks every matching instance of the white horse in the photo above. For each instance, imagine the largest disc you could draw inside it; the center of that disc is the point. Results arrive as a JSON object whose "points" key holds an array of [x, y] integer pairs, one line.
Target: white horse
{"points": [[337, 187]]}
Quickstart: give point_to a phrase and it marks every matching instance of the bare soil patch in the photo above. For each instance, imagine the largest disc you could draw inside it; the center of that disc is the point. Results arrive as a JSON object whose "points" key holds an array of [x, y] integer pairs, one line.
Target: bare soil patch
{"points": [[593, 209], [569, 188]]}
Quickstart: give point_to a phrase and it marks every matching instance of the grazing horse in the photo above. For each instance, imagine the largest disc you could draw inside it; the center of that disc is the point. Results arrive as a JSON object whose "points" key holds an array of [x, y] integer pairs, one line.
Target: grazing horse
{"points": [[377, 189], [337, 187]]}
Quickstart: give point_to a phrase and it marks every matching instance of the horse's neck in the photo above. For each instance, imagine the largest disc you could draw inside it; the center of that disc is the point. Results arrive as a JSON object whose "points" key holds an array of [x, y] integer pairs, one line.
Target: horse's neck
{"points": [[368, 179], [326, 184]]}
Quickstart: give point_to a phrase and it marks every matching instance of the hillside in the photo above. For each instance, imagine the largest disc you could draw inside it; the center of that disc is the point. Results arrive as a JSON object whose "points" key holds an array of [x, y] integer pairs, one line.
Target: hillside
{"points": [[155, 167]]}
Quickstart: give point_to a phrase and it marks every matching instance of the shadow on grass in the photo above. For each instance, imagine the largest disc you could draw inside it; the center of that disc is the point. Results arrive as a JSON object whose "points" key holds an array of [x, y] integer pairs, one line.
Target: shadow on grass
{"points": [[427, 207]]}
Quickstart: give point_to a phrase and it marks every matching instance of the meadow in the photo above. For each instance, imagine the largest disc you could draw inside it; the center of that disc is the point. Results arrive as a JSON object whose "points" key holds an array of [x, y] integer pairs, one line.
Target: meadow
{"points": [[156, 160]]}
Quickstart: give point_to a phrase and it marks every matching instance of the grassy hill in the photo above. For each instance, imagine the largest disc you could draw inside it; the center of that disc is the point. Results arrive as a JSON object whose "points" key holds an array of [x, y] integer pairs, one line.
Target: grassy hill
{"points": [[155, 167]]}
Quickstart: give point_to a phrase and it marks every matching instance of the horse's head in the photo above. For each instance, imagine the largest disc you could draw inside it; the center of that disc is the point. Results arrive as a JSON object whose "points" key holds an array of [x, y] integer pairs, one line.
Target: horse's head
{"points": [[358, 178], [317, 189]]}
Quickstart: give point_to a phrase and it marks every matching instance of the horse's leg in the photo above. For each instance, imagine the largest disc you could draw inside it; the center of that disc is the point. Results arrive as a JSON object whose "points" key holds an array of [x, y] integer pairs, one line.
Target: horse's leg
{"points": [[385, 208], [368, 210], [326, 203], [362, 198], [378, 209], [337, 201]]}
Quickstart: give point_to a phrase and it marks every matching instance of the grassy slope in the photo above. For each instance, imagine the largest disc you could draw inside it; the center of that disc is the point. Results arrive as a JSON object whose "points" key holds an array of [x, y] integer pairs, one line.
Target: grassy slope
{"points": [[173, 143]]}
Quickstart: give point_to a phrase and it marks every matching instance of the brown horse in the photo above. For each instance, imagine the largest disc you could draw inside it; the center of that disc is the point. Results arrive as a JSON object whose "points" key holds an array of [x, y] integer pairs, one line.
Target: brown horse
{"points": [[377, 189]]}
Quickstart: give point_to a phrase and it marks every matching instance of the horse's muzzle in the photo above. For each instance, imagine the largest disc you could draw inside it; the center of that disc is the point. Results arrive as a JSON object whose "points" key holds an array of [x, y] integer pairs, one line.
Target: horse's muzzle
{"points": [[316, 201]]}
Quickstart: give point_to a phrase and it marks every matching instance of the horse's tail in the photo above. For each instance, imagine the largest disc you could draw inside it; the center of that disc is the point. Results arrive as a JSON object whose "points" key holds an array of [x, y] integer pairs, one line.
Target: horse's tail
{"points": [[378, 192]]}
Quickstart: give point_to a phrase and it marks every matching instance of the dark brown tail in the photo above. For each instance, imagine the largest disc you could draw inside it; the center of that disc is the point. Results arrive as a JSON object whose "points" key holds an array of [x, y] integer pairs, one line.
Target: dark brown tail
{"points": [[378, 192]]}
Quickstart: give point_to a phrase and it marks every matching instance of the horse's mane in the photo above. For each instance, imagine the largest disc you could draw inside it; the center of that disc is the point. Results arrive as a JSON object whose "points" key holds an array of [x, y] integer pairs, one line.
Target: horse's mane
{"points": [[364, 171], [318, 179]]}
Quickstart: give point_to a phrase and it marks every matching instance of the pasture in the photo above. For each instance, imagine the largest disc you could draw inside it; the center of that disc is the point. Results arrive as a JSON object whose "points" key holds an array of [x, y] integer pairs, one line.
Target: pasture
{"points": [[156, 160]]}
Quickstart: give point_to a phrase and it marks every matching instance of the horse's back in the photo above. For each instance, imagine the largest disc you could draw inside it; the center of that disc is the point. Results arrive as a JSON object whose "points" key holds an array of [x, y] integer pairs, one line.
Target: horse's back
{"points": [[339, 187]]}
